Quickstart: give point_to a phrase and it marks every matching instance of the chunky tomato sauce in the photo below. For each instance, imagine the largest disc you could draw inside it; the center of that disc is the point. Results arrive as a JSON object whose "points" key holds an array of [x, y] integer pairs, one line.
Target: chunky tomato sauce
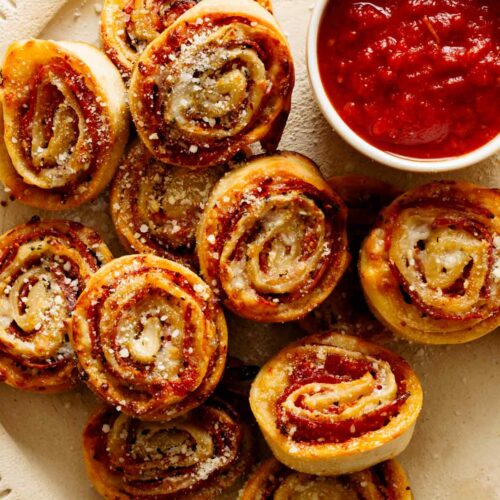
{"points": [[419, 78]]}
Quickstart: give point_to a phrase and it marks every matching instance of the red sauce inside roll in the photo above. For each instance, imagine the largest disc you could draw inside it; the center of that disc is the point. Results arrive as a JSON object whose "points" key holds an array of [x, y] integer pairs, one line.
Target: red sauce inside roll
{"points": [[418, 78], [52, 98], [336, 369], [265, 188]]}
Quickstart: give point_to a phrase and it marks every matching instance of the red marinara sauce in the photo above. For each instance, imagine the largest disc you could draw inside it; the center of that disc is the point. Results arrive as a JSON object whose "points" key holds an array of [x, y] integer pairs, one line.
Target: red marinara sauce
{"points": [[419, 78]]}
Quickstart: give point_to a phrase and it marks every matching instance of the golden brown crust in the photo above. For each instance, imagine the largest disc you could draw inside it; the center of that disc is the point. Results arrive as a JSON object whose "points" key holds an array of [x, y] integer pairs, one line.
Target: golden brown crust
{"points": [[194, 457], [217, 80], [44, 266], [274, 481], [272, 238], [149, 336], [333, 404], [430, 269], [156, 207], [128, 26], [65, 120]]}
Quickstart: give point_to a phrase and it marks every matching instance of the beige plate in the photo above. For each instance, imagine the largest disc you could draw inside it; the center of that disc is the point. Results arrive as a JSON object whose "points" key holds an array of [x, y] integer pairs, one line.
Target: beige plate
{"points": [[455, 450]]}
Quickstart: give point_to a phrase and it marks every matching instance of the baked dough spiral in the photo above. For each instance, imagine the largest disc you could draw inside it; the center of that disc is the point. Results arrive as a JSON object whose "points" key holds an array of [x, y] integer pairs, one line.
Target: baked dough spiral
{"points": [[156, 207], [272, 238], [129, 26], [66, 123], [149, 337], [217, 80], [44, 266], [273, 481], [333, 404], [430, 269], [194, 457]]}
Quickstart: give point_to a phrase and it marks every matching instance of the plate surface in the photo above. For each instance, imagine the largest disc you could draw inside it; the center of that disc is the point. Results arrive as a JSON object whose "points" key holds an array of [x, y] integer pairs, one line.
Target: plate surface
{"points": [[455, 450]]}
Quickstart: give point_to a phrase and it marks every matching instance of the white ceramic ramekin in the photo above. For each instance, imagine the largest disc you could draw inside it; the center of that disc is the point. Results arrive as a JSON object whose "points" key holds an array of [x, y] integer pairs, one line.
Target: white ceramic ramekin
{"points": [[390, 159]]}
